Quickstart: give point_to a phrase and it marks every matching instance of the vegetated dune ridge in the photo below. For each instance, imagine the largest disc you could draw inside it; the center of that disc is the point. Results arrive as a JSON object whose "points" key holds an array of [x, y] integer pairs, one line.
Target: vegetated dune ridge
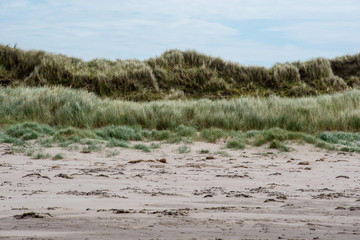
{"points": [[177, 74]]}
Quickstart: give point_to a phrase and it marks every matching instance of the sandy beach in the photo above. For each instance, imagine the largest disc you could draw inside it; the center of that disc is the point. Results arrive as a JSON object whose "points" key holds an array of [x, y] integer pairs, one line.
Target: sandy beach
{"points": [[256, 193]]}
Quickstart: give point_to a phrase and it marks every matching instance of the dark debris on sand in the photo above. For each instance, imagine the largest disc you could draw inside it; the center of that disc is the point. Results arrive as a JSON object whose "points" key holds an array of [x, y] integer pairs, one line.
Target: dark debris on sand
{"points": [[32, 215]]}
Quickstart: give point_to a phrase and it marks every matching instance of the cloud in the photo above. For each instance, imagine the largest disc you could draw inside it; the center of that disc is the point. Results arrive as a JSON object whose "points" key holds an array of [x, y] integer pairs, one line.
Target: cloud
{"points": [[246, 31], [322, 32], [199, 9], [225, 9], [6, 5]]}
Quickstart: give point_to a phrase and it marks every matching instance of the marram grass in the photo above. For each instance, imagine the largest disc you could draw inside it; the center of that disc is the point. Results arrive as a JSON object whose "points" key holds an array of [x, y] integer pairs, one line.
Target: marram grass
{"points": [[95, 140], [177, 74], [65, 107]]}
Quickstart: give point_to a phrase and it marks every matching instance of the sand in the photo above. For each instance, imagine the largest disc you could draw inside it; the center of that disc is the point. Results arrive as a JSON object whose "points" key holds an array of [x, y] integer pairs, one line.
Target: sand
{"points": [[256, 193]]}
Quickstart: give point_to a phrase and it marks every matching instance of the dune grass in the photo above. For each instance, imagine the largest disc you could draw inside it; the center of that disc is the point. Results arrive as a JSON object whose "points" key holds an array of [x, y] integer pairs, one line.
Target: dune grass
{"points": [[113, 142], [204, 151], [142, 147], [177, 74], [58, 156], [212, 134], [65, 116], [279, 145], [93, 141], [28, 131], [236, 143], [349, 142], [40, 155], [76, 111], [155, 145], [184, 149], [112, 153]]}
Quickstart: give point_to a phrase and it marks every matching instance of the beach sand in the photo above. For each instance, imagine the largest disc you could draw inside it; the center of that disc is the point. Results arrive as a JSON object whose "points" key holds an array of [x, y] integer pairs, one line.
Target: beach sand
{"points": [[256, 193]]}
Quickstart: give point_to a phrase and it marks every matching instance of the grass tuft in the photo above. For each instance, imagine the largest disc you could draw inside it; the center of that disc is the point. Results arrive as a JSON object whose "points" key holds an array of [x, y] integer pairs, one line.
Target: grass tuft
{"points": [[4, 138], [117, 143], [120, 132], [73, 134], [185, 131], [160, 135], [28, 131], [142, 147], [236, 143], [41, 155], [58, 156], [91, 145], [276, 144], [155, 145], [204, 151], [212, 134], [184, 149], [112, 153], [348, 142]]}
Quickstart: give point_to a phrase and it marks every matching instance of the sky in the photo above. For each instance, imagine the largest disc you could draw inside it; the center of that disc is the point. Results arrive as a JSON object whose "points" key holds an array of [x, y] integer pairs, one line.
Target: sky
{"points": [[249, 32]]}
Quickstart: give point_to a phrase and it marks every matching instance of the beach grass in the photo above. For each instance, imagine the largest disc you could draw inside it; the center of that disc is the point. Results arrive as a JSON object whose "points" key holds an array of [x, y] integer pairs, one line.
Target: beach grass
{"points": [[76, 111], [177, 74]]}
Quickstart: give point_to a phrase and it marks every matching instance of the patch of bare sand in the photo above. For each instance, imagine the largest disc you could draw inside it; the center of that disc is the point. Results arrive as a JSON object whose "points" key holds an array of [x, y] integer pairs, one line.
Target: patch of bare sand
{"points": [[256, 193]]}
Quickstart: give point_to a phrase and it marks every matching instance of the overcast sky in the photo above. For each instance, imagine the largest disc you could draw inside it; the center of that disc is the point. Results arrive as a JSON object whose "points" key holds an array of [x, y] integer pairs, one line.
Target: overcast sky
{"points": [[251, 32]]}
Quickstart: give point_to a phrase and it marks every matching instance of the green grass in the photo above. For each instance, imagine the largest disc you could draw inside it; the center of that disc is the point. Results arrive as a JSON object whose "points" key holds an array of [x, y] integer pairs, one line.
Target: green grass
{"points": [[276, 144], [64, 144], [28, 131], [18, 134], [185, 131], [121, 133], [18, 149], [91, 145], [90, 140], [75, 111], [40, 155], [174, 140], [349, 142], [117, 143], [73, 134], [112, 153], [277, 136], [236, 143], [176, 74], [204, 151], [4, 138], [160, 135], [184, 149], [155, 145], [62, 116], [58, 156], [142, 147], [72, 147], [30, 152], [212, 134], [46, 142], [265, 136]]}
